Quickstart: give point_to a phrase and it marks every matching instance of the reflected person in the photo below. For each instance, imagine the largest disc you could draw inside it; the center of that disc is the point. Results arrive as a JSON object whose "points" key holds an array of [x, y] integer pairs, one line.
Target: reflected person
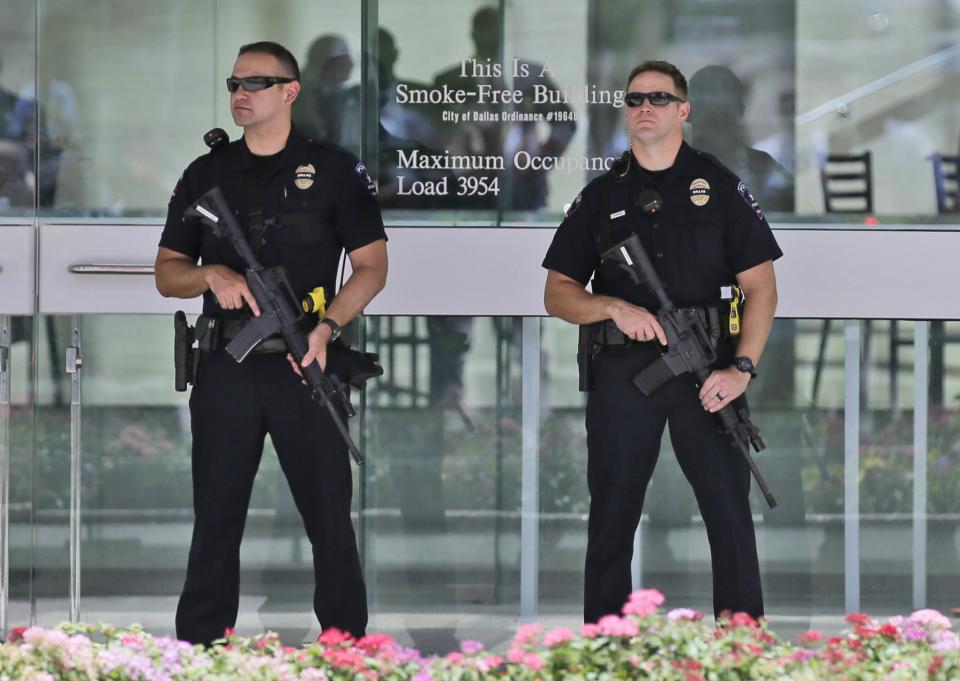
{"points": [[327, 108], [528, 190], [304, 202], [717, 106], [16, 156], [731, 244]]}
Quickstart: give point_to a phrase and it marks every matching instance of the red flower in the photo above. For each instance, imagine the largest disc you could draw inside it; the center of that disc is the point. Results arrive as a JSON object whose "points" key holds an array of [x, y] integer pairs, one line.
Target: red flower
{"points": [[229, 632], [16, 634], [935, 665], [374, 642], [865, 632], [742, 619], [811, 637], [890, 630], [333, 637], [857, 618]]}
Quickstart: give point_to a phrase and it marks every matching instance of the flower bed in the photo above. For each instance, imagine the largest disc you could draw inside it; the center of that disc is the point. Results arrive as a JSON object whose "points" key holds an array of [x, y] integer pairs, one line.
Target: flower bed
{"points": [[644, 643]]}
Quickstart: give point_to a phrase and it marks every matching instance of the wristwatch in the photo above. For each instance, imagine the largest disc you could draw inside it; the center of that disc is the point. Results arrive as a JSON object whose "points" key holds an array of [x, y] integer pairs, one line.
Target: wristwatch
{"points": [[745, 364], [334, 328]]}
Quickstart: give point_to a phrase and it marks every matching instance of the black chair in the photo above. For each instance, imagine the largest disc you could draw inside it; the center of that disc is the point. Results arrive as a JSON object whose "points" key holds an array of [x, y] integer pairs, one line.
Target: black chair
{"points": [[945, 182], [847, 182]]}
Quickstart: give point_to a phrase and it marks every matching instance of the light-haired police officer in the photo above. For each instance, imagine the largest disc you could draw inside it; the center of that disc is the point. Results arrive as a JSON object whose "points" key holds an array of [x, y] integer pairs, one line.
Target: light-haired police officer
{"points": [[708, 233]]}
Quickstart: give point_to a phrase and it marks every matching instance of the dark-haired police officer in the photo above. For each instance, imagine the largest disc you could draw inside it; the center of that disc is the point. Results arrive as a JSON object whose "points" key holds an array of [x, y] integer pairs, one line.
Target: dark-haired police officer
{"points": [[708, 234], [303, 202]]}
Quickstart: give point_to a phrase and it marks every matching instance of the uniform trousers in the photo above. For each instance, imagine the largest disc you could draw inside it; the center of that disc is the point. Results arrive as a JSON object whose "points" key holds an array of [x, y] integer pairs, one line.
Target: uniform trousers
{"points": [[624, 429], [232, 408]]}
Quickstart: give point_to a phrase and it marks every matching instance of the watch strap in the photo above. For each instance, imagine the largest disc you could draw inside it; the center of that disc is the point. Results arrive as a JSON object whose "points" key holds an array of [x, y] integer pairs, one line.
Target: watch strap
{"points": [[335, 329]]}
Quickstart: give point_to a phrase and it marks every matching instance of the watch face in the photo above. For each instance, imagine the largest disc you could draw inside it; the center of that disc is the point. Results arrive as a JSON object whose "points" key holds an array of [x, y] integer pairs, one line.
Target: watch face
{"points": [[745, 364]]}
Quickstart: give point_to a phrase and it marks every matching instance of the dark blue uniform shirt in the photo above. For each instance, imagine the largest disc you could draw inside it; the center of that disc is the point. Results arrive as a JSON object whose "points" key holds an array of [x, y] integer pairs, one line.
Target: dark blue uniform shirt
{"points": [[317, 199], [708, 230]]}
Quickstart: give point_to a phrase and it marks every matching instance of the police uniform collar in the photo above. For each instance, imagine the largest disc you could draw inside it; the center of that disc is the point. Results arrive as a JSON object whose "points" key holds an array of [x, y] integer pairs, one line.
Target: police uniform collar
{"points": [[686, 161], [243, 158], [683, 165]]}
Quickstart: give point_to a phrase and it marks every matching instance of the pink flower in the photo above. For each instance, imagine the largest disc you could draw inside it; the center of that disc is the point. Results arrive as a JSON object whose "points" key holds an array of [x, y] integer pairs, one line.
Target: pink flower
{"points": [[527, 633], [684, 614], [643, 602], [589, 630], [533, 662], [930, 619], [946, 641], [455, 657], [811, 636], [639, 608], [612, 625], [557, 636], [471, 647], [515, 654], [914, 632], [649, 595]]}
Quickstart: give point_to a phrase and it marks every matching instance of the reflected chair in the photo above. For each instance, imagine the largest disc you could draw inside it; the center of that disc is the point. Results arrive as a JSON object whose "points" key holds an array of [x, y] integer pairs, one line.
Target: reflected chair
{"points": [[945, 182], [847, 182], [946, 185]]}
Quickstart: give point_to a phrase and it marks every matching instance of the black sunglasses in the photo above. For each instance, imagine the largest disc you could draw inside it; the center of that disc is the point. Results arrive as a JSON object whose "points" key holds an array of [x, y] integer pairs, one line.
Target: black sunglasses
{"points": [[656, 98], [255, 83]]}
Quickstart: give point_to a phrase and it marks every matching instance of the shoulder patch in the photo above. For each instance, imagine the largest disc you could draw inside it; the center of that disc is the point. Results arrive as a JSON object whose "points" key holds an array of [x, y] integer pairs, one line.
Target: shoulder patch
{"points": [[570, 207], [361, 171], [749, 200]]}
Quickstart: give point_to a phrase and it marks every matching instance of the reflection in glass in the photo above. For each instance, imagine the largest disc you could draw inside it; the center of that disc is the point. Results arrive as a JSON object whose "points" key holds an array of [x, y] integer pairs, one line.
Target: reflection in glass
{"points": [[717, 104], [443, 478], [18, 141]]}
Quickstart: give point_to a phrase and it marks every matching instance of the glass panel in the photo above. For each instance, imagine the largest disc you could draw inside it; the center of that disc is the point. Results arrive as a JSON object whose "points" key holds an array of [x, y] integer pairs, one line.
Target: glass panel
{"points": [[18, 430], [800, 542], [886, 466], [943, 466], [443, 479], [121, 123], [894, 56], [48, 566], [18, 139]]}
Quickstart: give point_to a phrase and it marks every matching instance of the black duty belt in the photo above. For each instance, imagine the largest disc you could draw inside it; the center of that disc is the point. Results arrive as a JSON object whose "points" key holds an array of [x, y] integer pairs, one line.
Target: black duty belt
{"points": [[607, 334]]}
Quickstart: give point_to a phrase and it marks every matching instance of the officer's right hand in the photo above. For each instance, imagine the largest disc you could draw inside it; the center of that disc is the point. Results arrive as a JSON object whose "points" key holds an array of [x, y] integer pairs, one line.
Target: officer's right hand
{"points": [[230, 288], [636, 322]]}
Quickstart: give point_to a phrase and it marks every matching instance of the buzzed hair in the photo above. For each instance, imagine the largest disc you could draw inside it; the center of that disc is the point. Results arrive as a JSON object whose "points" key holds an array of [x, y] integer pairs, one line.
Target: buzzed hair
{"points": [[664, 67], [287, 61]]}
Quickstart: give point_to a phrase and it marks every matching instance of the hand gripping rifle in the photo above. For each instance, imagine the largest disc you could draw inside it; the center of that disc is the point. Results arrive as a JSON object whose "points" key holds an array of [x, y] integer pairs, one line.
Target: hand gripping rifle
{"points": [[689, 349], [280, 312]]}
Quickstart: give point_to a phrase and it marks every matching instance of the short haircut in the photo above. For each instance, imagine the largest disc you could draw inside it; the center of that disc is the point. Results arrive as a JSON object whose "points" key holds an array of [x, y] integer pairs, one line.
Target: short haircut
{"points": [[664, 67], [287, 61]]}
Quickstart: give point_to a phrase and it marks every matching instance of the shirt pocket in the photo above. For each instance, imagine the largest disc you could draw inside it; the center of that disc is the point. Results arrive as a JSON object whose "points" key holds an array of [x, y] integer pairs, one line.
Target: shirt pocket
{"points": [[701, 233], [303, 230]]}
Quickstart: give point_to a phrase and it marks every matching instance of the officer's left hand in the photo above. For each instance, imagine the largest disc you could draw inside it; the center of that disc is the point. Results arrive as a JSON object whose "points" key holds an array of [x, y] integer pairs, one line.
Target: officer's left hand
{"points": [[316, 350], [722, 388]]}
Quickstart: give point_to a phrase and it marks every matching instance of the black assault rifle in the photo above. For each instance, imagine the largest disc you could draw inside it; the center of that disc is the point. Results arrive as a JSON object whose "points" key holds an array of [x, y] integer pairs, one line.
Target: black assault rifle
{"points": [[280, 312], [689, 350]]}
